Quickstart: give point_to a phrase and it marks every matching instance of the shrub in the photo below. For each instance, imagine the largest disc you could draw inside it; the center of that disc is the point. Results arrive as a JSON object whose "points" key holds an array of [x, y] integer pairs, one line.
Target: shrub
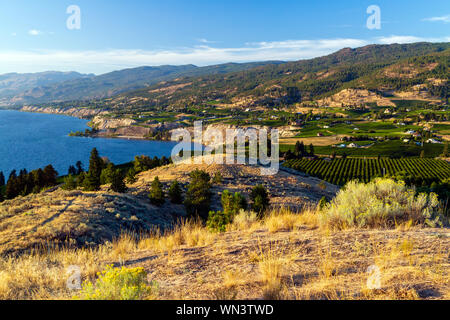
{"points": [[218, 178], [232, 204], [198, 195], [175, 193], [322, 203], [382, 202], [218, 221], [119, 284], [260, 200], [131, 176], [69, 183], [156, 192]]}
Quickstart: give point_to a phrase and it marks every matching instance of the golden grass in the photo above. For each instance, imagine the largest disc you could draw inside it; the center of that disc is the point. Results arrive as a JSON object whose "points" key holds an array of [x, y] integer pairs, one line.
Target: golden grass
{"points": [[284, 256]]}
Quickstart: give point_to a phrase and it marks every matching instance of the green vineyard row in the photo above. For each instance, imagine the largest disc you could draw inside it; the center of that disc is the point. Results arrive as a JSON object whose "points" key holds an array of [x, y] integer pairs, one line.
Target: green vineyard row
{"points": [[340, 171]]}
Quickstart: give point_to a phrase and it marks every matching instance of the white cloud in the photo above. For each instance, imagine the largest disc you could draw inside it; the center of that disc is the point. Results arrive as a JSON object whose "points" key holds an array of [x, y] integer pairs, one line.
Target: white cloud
{"points": [[445, 19], [408, 39], [34, 32], [205, 54]]}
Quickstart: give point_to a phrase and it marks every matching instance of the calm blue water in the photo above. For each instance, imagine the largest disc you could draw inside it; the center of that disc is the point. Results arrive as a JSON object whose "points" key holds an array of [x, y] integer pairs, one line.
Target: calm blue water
{"points": [[32, 140]]}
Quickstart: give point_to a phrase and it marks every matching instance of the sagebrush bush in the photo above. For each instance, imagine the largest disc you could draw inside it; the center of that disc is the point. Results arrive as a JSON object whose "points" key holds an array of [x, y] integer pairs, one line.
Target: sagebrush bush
{"points": [[382, 202], [119, 284]]}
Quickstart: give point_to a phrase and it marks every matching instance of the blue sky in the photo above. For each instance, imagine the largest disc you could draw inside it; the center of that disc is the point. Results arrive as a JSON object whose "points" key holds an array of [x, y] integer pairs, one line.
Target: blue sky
{"points": [[119, 34]]}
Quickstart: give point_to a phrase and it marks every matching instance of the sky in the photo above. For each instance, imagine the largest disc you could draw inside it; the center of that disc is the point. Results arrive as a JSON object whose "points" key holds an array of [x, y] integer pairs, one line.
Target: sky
{"points": [[118, 34]]}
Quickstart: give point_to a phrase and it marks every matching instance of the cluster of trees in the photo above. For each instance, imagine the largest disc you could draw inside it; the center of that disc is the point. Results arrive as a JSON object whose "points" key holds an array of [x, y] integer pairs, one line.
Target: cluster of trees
{"points": [[25, 182], [300, 151], [197, 200], [102, 172]]}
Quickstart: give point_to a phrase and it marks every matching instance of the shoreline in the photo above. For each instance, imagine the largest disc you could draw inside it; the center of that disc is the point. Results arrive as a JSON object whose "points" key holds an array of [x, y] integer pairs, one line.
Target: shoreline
{"points": [[89, 124]]}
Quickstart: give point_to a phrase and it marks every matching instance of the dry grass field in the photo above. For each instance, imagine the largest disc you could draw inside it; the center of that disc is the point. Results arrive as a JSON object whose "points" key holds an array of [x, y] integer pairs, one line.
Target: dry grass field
{"points": [[285, 256]]}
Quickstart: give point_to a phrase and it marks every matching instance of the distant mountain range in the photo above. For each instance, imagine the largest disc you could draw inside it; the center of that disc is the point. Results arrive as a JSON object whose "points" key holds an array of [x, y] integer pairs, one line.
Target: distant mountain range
{"points": [[384, 69], [418, 70], [21, 89]]}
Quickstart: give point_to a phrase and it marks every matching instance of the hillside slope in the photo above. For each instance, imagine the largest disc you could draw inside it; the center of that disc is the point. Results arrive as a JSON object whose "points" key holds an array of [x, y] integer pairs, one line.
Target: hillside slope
{"points": [[78, 218], [375, 67], [109, 84]]}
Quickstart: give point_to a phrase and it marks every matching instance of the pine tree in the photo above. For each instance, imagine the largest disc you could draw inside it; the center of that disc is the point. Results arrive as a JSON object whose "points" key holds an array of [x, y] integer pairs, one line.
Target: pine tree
{"points": [[311, 150], [79, 167], [2, 179], [260, 200], [91, 181], [107, 174], [131, 176], [198, 195], [156, 192], [175, 193], [11, 186], [50, 176], [117, 181]]}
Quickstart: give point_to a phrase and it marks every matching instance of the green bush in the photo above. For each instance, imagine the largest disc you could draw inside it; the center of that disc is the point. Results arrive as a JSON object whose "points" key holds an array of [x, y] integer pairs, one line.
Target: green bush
{"points": [[232, 204], [260, 200], [131, 176], [156, 192], [175, 193], [218, 221], [119, 284], [218, 179], [379, 203], [69, 183]]}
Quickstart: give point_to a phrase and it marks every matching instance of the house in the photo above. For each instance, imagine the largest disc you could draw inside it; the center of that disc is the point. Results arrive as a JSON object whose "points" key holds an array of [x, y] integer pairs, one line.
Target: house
{"points": [[406, 140], [326, 127], [434, 141], [320, 134], [353, 145]]}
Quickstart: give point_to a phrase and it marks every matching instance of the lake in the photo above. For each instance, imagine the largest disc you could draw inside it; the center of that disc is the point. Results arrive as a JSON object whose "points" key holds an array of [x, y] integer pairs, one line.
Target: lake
{"points": [[33, 140]]}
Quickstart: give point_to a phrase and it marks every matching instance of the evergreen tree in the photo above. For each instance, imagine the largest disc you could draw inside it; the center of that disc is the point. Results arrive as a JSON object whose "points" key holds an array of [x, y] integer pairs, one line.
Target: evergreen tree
{"points": [[72, 171], [79, 167], [118, 182], [91, 180], [175, 193], [232, 204], [107, 174], [311, 150], [2, 179], [260, 199], [12, 186], [198, 195], [131, 176], [38, 180], [156, 192], [50, 176]]}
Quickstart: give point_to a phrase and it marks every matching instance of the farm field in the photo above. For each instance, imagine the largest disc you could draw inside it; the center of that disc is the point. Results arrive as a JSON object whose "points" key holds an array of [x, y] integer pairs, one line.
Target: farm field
{"points": [[341, 171], [390, 148]]}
